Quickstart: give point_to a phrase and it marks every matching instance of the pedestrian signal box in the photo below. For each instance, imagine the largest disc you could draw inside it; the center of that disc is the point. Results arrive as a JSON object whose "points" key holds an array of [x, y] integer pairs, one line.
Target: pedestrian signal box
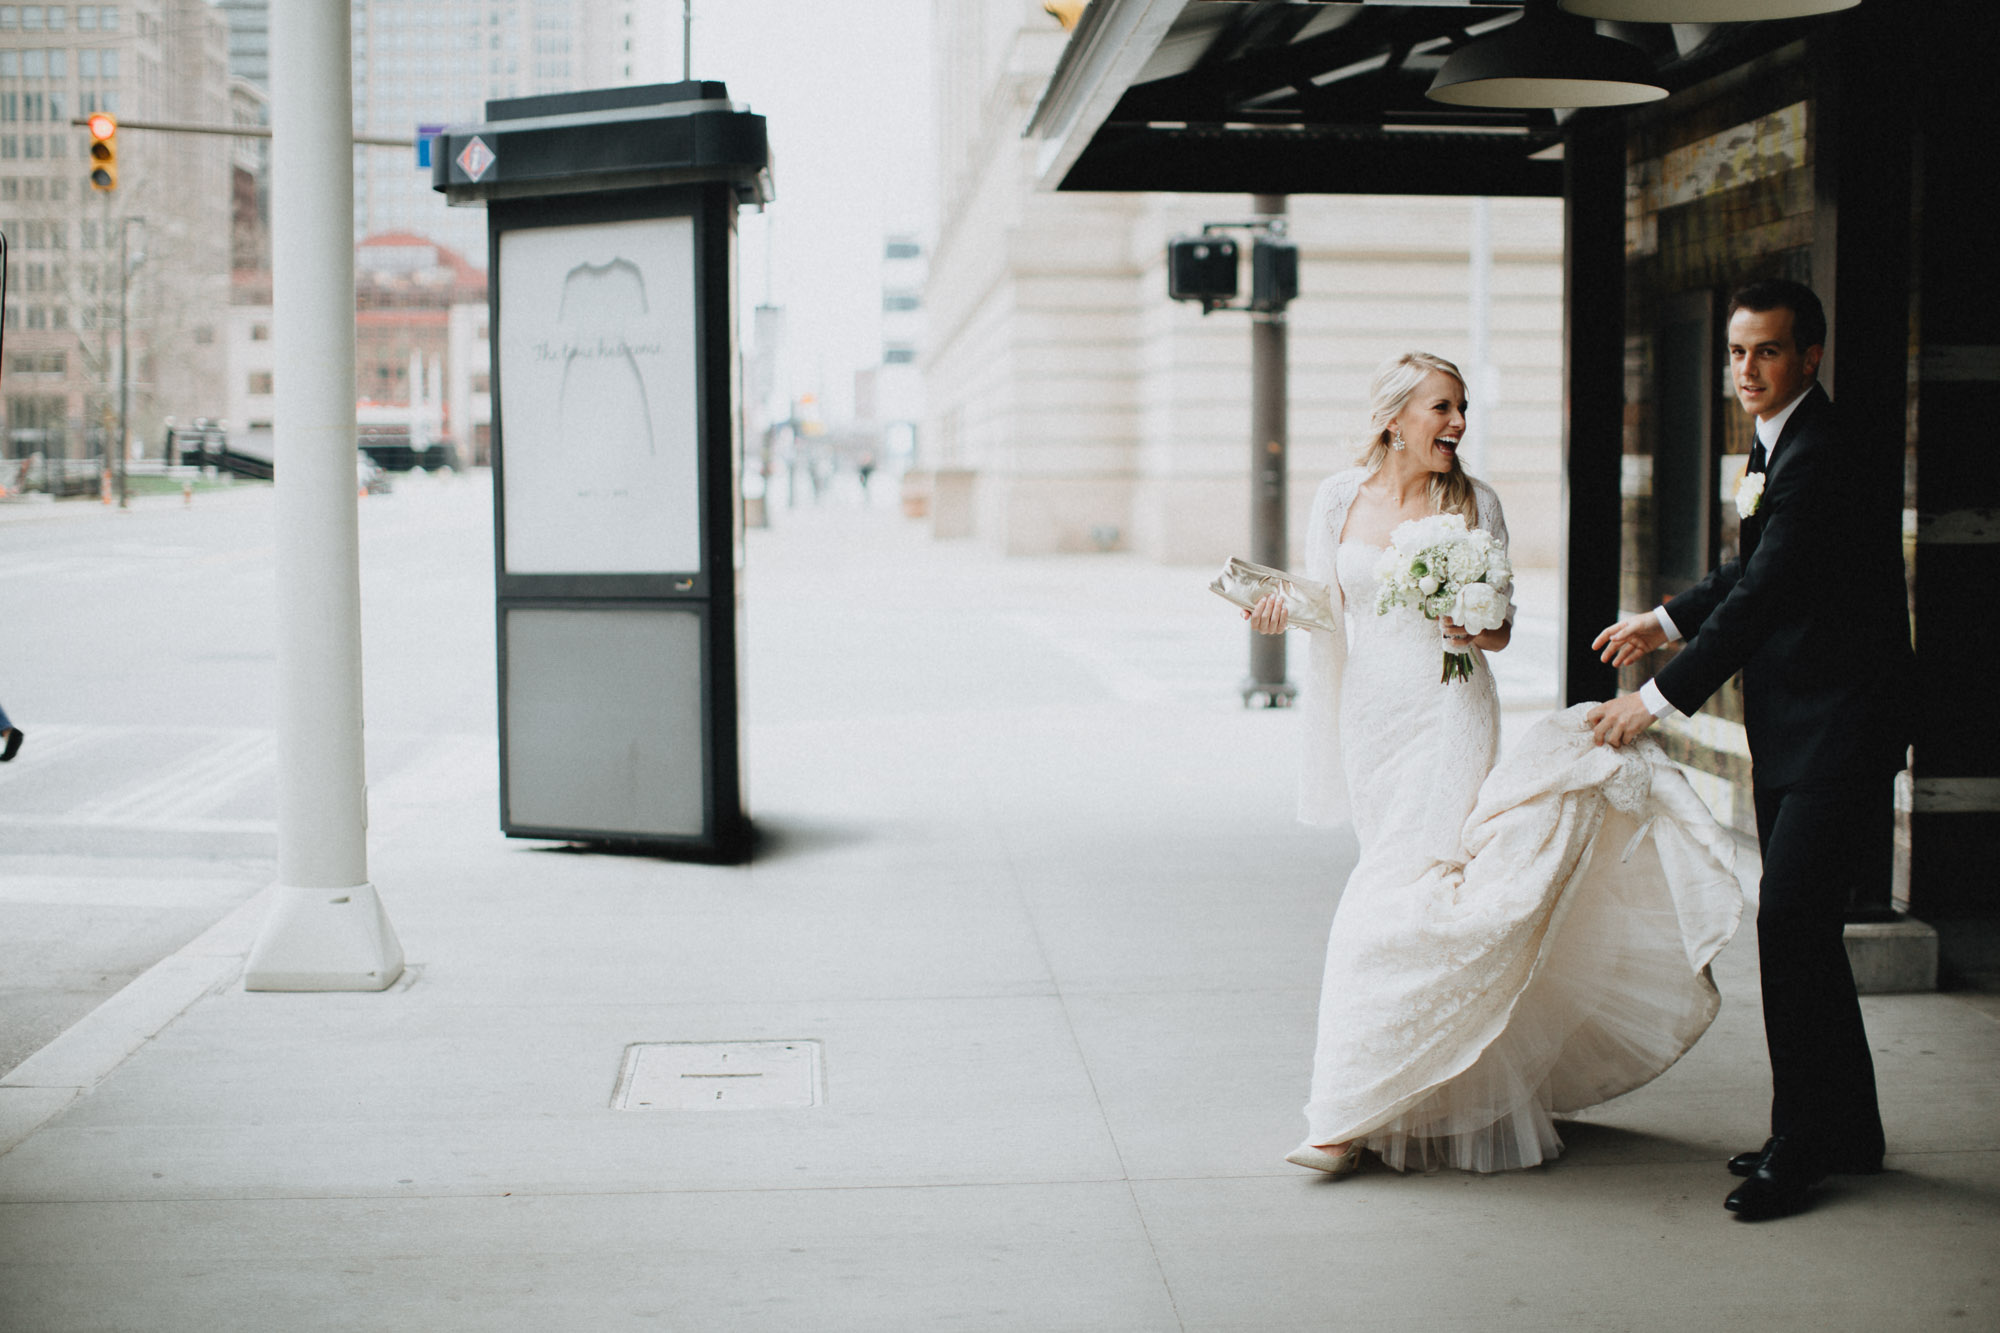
{"points": [[1201, 268], [1274, 273], [103, 151]]}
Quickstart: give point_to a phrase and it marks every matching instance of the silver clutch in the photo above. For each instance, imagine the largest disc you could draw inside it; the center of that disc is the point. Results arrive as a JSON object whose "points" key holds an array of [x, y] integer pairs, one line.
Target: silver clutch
{"points": [[1308, 605]]}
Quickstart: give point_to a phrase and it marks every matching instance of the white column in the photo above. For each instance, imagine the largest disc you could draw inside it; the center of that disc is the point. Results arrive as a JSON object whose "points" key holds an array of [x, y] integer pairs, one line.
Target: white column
{"points": [[1484, 384], [327, 930]]}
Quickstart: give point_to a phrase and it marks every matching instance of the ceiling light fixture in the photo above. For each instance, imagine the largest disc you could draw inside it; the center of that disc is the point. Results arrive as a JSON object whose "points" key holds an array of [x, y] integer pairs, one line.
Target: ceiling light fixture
{"points": [[1546, 59], [1703, 11]]}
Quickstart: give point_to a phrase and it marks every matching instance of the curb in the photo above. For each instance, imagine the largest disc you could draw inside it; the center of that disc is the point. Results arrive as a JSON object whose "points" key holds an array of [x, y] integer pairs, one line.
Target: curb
{"points": [[43, 1085]]}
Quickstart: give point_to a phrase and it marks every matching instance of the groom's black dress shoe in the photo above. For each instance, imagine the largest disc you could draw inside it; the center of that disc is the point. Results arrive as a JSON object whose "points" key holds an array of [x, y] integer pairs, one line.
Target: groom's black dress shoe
{"points": [[1781, 1184], [1745, 1163], [12, 743], [1862, 1164]]}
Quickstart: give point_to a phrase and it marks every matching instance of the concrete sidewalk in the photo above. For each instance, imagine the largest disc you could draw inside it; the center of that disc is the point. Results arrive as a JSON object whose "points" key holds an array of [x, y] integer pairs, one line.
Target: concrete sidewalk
{"points": [[1030, 881]]}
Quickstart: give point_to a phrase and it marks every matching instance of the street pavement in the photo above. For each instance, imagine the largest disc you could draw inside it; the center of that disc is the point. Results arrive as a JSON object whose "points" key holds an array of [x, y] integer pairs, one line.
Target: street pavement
{"points": [[136, 652], [1027, 885]]}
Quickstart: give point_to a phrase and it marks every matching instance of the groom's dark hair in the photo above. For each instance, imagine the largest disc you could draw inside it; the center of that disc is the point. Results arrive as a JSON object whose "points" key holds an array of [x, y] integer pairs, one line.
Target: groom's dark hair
{"points": [[1808, 315]]}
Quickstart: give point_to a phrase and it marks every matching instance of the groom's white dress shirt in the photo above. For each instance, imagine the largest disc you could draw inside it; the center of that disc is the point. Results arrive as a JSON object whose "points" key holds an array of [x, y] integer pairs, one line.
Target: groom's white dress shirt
{"points": [[1768, 431]]}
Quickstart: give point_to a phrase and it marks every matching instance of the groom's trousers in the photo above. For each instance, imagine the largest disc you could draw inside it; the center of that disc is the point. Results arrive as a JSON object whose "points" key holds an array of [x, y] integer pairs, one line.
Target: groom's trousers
{"points": [[1820, 840]]}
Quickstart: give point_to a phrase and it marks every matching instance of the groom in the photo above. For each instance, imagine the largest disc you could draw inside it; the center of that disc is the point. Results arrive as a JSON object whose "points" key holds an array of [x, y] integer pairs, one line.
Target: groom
{"points": [[1813, 612]]}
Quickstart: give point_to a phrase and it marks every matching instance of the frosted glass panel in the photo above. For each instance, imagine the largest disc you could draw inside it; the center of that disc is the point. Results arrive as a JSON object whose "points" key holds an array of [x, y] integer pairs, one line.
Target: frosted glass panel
{"points": [[604, 716], [598, 412]]}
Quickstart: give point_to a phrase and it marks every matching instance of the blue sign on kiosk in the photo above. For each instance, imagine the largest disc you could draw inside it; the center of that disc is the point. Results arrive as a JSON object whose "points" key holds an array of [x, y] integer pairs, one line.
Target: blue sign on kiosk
{"points": [[611, 220]]}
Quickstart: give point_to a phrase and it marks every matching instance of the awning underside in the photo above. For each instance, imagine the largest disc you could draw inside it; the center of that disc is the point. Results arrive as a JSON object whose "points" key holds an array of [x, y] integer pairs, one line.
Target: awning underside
{"points": [[1295, 96]]}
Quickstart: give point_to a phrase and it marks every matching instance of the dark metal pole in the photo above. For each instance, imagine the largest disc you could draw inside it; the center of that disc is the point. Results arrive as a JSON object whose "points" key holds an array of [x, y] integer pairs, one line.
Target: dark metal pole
{"points": [[1269, 437]]}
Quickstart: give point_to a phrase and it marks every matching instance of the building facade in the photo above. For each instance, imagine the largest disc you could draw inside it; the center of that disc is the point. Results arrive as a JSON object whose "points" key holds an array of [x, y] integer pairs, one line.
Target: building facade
{"points": [[151, 257], [1071, 405], [421, 349]]}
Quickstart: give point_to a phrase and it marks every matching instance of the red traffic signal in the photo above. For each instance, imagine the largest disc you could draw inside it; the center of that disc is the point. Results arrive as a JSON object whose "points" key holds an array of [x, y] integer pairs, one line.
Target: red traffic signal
{"points": [[103, 150]]}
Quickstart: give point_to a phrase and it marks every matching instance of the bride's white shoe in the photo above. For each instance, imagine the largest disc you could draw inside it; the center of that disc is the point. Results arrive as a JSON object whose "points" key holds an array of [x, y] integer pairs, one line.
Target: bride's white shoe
{"points": [[1319, 1159]]}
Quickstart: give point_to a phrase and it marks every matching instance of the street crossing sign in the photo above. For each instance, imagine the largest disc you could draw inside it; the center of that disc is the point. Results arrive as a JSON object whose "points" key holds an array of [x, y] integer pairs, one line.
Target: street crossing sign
{"points": [[476, 159]]}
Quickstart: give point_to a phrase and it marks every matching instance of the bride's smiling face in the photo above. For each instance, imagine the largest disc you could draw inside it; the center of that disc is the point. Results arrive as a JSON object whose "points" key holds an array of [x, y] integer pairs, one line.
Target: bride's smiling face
{"points": [[1433, 422]]}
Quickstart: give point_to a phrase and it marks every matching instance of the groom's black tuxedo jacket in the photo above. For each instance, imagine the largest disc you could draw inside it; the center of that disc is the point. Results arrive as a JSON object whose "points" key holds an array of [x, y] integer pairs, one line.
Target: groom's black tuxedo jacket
{"points": [[1814, 613]]}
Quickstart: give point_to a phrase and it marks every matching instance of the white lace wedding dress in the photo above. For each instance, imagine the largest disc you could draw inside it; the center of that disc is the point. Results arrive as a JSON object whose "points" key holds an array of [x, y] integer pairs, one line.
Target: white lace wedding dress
{"points": [[1515, 942]]}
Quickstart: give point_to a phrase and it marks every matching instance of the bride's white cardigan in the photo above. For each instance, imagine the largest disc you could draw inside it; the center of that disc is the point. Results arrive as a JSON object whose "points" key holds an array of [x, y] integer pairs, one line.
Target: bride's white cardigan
{"points": [[1322, 772]]}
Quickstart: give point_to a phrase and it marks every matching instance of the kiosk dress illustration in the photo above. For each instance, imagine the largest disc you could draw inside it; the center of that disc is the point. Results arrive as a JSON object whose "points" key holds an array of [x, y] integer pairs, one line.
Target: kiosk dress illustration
{"points": [[602, 414]]}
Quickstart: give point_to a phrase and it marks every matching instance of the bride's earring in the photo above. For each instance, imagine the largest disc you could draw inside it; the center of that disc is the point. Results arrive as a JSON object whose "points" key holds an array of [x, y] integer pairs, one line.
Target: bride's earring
{"points": [[1396, 440]]}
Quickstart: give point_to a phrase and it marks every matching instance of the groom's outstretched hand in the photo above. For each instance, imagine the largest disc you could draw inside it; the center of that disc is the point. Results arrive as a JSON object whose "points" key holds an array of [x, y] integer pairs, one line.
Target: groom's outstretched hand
{"points": [[1630, 639], [1619, 721]]}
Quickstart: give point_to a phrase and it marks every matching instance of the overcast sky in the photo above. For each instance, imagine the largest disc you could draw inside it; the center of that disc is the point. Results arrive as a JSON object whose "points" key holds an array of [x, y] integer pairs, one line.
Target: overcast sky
{"points": [[844, 86]]}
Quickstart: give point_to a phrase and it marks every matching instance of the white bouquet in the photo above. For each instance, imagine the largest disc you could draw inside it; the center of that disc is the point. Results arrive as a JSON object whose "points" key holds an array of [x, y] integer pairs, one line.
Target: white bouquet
{"points": [[1445, 569]]}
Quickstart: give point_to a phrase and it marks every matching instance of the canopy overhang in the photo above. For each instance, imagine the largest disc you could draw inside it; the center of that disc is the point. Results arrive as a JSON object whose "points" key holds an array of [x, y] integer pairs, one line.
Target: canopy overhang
{"points": [[1315, 97]]}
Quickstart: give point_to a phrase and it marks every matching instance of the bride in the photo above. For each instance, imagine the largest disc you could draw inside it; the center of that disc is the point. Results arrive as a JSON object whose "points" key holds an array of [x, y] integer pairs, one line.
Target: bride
{"points": [[1515, 942]]}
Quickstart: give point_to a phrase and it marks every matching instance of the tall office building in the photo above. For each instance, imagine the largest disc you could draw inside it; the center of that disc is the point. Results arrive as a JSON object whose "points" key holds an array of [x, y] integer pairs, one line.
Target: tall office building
{"points": [[81, 260], [431, 62], [249, 39], [437, 62]]}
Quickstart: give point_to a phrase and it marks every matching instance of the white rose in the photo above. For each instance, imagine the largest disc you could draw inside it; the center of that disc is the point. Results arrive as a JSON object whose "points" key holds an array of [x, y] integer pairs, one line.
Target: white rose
{"points": [[1749, 492], [1428, 584], [1480, 607]]}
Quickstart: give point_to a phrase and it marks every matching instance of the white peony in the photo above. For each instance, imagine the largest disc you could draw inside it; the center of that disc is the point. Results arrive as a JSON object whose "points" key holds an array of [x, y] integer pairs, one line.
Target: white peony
{"points": [[1480, 607]]}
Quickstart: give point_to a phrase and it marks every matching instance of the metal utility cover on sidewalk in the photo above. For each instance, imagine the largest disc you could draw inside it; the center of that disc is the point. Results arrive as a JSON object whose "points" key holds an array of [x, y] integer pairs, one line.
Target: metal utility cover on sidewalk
{"points": [[718, 1076]]}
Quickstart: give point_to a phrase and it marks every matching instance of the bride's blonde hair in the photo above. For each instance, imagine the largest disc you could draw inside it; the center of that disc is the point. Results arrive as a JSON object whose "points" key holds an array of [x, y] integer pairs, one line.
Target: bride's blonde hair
{"points": [[1389, 393]]}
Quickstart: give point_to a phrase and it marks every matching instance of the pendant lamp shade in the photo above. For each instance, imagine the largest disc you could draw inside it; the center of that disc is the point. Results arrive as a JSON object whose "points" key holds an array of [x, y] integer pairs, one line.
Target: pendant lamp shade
{"points": [[1702, 11], [1546, 60]]}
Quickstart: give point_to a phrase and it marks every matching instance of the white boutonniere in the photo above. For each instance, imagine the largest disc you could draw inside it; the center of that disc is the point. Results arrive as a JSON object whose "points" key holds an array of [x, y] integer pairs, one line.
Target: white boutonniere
{"points": [[1749, 494]]}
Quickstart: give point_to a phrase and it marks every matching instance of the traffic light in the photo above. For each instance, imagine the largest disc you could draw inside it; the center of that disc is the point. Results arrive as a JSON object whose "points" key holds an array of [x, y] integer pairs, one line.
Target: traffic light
{"points": [[1065, 12], [103, 151]]}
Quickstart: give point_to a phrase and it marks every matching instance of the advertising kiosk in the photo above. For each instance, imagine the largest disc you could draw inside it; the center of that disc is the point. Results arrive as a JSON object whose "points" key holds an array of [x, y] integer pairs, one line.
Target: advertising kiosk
{"points": [[611, 229]]}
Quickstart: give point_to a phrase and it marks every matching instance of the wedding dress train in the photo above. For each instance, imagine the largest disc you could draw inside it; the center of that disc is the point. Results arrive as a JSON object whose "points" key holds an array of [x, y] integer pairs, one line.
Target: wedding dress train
{"points": [[1516, 941]]}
